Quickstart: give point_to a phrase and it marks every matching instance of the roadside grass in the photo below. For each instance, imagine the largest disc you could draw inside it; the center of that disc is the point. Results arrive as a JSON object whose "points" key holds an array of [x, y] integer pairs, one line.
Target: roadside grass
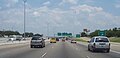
{"points": [[115, 39], [81, 40]]}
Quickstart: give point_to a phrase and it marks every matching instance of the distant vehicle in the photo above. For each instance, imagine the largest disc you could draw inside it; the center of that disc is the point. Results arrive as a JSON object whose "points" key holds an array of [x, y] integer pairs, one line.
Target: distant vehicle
{"points": [[53, 40], [57, 39], [37, 41], [15, 37], [73, 41], [63, 40], [99, 43]]}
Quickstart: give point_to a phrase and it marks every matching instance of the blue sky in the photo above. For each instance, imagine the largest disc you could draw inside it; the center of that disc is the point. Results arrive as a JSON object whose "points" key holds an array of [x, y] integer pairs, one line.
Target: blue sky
{"points": [[60, 15]]}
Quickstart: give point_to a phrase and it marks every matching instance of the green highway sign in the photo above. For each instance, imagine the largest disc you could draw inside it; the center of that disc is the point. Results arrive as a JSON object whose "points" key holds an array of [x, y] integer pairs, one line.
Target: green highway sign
{"points": [[64, 34], [101, 33], [77, 35]]}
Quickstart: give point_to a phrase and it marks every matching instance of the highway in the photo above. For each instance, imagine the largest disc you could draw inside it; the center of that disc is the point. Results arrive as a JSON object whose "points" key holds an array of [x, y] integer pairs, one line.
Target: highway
{"points": [[52, 50]]}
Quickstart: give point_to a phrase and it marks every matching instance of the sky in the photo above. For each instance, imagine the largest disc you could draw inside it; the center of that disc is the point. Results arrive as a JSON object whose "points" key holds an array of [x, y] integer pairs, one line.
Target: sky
{"points": [[51, 16]]}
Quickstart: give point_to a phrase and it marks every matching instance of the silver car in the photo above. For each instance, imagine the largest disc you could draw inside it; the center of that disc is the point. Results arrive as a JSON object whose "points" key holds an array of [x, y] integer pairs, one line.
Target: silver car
{"points": [[100, 43], [37, 41]]}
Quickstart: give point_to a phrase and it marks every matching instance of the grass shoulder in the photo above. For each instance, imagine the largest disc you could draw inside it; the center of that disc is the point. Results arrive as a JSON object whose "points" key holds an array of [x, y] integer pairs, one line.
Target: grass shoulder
{"points": [[115, 39]]}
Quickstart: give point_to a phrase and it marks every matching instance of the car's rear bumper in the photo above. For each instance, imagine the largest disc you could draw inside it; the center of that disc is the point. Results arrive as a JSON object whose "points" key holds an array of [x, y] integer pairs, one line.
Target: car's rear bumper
{"points": [[36, 44], [73, 42], [101, 48], [52, 42]]}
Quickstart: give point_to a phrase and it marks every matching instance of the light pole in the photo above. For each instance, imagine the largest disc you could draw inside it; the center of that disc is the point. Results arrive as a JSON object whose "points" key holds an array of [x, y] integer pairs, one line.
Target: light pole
{"points": [[47, 29], [24, 15]]}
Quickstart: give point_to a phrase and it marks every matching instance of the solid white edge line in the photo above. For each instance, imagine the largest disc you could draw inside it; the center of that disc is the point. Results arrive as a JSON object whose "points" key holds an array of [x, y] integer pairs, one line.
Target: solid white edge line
{"points": [[44, 54], [115, 52]]}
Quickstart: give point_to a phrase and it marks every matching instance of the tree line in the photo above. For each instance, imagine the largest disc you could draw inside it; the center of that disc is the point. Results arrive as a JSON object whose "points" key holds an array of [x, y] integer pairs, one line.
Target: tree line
{"points": [[115, 32]]}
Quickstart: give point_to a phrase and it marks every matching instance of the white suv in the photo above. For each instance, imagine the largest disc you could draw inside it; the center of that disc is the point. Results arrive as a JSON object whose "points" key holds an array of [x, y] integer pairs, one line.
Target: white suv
{"points": [[99, 43]]}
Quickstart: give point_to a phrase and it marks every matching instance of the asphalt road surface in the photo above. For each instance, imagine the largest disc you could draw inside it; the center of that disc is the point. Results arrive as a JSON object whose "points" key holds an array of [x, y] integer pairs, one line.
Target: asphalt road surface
{"points": [[53, 50]]}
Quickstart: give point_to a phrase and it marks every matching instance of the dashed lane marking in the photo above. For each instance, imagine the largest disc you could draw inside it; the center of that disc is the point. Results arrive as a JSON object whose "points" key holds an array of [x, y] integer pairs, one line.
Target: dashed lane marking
{"points": [[44, 54], [88, 57]]}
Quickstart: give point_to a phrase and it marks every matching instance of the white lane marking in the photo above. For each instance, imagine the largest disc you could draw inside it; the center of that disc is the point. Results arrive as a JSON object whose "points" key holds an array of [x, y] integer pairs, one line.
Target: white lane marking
{"points": [[44, 54], [115, 52], [88, 57]]}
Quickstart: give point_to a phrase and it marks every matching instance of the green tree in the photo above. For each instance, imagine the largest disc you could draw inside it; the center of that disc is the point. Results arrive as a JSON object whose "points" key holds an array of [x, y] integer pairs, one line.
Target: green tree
{"points": [[83, 34]]}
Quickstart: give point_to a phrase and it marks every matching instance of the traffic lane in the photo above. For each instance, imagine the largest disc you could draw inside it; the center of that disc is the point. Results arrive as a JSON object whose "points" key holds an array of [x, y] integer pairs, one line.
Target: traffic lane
{"points": [[84, 49], [63, 50], [22, 52], [68, 50], [114, 48], [57, 50]]}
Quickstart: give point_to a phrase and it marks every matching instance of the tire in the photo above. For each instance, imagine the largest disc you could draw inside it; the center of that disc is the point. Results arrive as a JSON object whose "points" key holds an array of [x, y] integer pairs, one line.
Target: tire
{"points": [[108, 51], [93, 50], [31, 46], [44, 45]]}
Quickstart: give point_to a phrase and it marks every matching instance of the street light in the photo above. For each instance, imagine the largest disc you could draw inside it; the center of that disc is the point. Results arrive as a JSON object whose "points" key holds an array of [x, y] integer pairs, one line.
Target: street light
{"points": [[24, 15], [47, 29]]}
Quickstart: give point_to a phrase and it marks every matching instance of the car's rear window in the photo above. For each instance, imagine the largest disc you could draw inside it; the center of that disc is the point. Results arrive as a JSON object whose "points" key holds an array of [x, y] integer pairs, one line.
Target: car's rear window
{"points": [[53, 38], [36, 38], [102, 40]]}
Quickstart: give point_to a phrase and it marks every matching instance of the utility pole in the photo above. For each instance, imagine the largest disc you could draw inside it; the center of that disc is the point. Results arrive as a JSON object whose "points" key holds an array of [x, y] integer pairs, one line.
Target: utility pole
{"points": [[24, 16]]}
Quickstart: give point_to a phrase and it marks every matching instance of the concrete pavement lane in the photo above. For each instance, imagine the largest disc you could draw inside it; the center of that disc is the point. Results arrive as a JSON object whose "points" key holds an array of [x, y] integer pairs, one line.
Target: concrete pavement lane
{"points": [[83, 49], [54, 50], [68, 50], [22, 51]]}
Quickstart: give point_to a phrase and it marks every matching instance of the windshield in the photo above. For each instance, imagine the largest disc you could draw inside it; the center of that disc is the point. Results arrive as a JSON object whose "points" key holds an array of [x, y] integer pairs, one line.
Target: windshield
{"points": [[52, 38], [102, 40], [59, 28], [36, 38]]}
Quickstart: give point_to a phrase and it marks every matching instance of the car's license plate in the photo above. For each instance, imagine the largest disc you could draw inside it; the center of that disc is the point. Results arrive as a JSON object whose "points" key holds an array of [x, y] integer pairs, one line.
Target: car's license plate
{"points": [[102, 44]]}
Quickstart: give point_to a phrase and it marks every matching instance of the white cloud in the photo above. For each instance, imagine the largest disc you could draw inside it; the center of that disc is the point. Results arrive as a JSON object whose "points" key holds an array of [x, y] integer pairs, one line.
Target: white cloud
{"points": [[62, 20], [46, 3], [117, 5], [68, 1], [86, 8], [40, 11], [10, 3], [36, 13], [89, 1]]}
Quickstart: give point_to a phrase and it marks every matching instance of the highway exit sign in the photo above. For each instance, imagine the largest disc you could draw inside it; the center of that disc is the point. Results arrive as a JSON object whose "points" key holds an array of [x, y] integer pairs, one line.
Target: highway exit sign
{"points": [[101, 33]]}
